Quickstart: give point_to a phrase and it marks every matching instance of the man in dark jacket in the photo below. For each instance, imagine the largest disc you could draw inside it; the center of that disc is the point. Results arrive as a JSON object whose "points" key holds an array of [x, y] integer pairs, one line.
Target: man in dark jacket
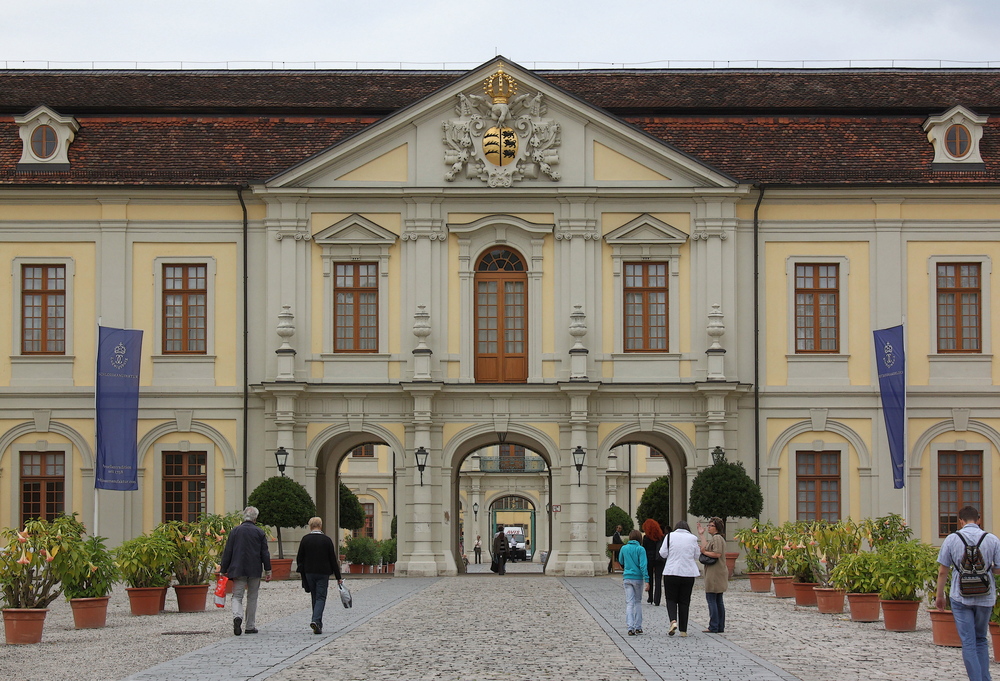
{"points": [[316, 561], [244, 560], [501, 549]]}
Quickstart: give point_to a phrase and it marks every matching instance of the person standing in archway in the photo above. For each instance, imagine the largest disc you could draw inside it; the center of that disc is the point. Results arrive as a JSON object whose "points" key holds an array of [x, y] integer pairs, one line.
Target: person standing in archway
{"points": [[501, 549], [478, 548], [616, 539]]}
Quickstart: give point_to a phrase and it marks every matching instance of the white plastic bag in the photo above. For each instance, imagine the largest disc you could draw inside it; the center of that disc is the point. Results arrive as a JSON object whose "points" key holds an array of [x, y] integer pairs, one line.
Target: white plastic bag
{"points": [[345, 596]]}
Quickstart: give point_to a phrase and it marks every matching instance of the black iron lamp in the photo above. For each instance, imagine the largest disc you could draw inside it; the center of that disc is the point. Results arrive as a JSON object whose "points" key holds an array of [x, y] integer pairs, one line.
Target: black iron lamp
{"points": [[475, 510], [579, 454], [421, 455], [281, 457], [718, 455]]}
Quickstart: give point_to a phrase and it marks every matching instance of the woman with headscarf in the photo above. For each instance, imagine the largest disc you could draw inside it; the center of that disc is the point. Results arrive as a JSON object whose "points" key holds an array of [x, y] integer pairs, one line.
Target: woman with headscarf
{"points": [[716, 574], [653, 535], [680, 549]]}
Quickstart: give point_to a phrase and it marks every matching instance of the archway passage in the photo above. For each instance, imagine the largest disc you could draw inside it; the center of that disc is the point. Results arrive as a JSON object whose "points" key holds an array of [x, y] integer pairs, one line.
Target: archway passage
{"points": [[504, 485], [647, 462], [501, 318]]}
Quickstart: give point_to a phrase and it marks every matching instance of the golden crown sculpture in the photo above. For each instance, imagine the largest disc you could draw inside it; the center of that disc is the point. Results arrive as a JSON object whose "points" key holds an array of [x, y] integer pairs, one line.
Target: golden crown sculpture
{"points": [[500, 86]]}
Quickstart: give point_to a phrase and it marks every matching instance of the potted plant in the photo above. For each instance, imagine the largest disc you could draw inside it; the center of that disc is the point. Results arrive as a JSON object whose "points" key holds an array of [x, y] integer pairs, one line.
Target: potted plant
{"points": [[145, 563], [197, 546], [758, 547], [904, 569], [282, 502], [885, 530], [361, 551], [88, 575], [782, 577], [725, 490], [831, 542], [855, 574], [944, 631], [388, 548], [799, 559], [29, 576]]}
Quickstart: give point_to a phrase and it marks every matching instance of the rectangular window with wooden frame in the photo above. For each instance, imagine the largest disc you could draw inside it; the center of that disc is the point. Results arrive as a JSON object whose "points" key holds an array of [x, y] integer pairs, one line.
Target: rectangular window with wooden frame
{"points": [[959, 311], [645, 298], [185, 309], [364, 452], [43, 485], [817, 308], [960, 484], [817, 486], [369, 528], [355, 307], [43, 309], [185, 485]]}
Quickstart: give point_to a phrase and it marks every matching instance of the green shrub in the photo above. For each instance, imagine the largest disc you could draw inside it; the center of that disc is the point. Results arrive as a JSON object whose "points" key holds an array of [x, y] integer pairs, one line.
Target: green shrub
{"points": [[282, 502], [655, 503], [613, 517], [725, 490]]}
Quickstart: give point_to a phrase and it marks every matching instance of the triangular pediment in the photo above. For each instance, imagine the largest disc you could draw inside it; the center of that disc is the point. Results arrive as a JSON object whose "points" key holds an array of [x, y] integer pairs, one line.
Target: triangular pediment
{"points": [[354, 229], [466, 136], [645, 230]]}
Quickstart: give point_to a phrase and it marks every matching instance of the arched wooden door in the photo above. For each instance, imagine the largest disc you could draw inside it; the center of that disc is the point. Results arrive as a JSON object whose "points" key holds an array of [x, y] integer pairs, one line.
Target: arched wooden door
{"points": [[501, 318]]}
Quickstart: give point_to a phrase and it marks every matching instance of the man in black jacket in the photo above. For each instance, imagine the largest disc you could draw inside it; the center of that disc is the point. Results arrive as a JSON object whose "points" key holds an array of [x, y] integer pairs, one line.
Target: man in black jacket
{"points": [[316, 561], [244, 560]]}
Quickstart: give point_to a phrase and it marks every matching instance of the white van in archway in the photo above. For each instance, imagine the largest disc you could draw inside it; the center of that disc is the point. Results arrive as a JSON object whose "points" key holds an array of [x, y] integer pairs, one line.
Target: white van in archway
{"points": [[519, 548]]}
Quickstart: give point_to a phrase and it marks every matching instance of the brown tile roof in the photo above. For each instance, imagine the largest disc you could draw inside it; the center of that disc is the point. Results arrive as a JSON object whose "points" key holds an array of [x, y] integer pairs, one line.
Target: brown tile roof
{"points": [[777, 127]]}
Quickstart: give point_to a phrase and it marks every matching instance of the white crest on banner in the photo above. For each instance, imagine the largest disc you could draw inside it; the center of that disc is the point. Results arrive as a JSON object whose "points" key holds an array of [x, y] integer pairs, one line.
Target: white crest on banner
{"points": [[119, 359]]}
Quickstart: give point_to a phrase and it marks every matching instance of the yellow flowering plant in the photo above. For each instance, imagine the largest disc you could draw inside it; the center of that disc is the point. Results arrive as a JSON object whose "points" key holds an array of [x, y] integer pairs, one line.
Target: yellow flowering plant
{"points": [[30, 574]]}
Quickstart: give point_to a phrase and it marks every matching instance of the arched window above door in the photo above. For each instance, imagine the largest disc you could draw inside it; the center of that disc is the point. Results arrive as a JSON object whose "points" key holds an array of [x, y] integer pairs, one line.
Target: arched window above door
{"points": [[501, 302]]}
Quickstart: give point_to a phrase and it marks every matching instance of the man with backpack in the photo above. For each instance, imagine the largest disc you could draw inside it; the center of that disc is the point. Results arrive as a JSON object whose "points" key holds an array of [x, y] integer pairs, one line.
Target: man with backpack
{"points": [[973, 556]]}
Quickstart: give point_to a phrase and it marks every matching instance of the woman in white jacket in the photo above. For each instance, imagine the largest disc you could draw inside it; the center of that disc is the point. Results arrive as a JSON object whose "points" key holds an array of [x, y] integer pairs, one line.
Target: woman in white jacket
{"points": [[680, 549]]}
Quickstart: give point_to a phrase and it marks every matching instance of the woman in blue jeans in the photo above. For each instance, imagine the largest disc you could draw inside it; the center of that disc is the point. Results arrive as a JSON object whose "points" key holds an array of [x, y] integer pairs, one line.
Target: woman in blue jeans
{"points": [[716, 575], [632, 558]]}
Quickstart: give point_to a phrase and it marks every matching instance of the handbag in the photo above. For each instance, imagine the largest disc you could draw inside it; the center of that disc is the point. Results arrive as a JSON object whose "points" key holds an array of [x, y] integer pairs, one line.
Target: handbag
{"points": [[707, 560], [220, 591], [495, 564], [345, 597]]}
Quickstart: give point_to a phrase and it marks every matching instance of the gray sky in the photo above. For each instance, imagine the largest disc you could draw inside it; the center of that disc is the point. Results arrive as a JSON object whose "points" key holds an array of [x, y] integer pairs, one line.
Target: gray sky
{"points": [[544, 33]]}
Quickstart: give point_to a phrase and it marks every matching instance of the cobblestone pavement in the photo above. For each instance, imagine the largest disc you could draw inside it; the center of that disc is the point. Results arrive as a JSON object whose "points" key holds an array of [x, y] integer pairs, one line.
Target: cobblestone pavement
{"points": [[483, 627]]}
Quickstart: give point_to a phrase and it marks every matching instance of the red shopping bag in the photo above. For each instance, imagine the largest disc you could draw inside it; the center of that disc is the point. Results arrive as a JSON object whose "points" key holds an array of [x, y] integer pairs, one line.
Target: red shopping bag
{"points": [[220, 591]]}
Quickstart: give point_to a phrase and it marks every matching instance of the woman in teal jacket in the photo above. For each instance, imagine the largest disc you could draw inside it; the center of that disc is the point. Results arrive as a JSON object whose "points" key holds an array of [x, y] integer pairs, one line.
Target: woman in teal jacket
{"points": [[632, 558]]}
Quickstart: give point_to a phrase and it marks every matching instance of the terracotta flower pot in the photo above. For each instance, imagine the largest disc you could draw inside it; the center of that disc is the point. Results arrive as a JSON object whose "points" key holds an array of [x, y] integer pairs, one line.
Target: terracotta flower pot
{"points": [[90, 613], [804, 594], [900, 615], [943, 629], [146, 600], [864, 607], [281, 569], [783, 586], [995, 635], [390, 568], [829, 601], [355, 568], [23, 626], [191, 597], [731, 557], [760, 582]]}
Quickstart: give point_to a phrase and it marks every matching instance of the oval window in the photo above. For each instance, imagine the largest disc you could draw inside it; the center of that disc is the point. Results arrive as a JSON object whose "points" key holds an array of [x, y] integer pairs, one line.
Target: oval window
{"points": [[43, 141], [958, 141]]}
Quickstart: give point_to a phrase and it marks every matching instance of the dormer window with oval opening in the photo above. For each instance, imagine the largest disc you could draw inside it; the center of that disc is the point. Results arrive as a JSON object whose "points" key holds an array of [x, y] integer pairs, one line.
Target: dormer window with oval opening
{"points": [[45, 139], [955, 135]]}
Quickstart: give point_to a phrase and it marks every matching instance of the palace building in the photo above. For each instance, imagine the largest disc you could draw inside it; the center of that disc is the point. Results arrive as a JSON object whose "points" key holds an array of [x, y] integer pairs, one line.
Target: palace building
{"points": [[501, 294]]}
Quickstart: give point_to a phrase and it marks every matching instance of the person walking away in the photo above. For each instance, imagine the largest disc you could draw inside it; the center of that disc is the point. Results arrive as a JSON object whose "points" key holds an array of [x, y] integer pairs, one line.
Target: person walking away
{"points": [[680, 549], [244, 560], [971, 612], [316, 561], [635, 571], [615, 539], [716, 574], [501, 549], [478, 548], [653, 536]]}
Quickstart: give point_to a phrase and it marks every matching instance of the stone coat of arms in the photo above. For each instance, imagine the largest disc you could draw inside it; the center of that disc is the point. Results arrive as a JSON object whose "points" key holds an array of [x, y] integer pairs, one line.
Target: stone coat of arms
{"points": [[501, 137]]}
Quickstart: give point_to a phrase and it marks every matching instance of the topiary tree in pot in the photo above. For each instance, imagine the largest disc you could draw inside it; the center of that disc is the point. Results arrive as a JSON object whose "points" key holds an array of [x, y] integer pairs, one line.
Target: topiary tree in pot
{"points": [[655, 503], [725, 490], [282, 502]]}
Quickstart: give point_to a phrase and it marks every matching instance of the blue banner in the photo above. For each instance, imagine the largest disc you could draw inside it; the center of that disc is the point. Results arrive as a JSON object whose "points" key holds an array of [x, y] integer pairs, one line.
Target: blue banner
{"points": [[891, 361], [118, 359]]}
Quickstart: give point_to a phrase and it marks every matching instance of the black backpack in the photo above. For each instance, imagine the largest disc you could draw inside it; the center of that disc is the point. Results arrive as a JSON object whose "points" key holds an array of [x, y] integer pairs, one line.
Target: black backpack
{"points": [[974, 577]]}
